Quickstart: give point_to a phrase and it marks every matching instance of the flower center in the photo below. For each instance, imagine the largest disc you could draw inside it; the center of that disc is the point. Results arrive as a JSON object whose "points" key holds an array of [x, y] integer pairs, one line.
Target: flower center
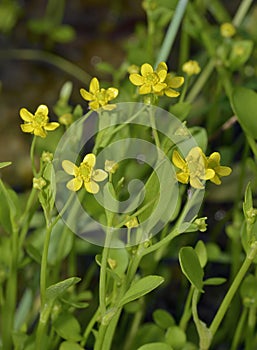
{"points": [[151, 79], [41, 119], [101, 97], [85, 172]]}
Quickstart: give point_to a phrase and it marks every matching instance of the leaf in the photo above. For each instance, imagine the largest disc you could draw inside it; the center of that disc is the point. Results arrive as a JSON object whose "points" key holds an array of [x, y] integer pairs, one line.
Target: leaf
{"points": [[141, 287], [68, 345], [190, 266], [214, 281], [121, 259], [163, 319], [4, 164], [56, 290], [248, 201], [155, 346], [9, 207], [175, 337], [67, 327], [201, 252], [244, 104]]}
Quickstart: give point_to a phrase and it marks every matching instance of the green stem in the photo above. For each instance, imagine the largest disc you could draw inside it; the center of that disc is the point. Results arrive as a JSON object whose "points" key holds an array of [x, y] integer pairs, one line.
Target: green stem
{"points": [[239, 329], [200, 82], [43, 271], [32, 155], [154, 130], [241, 12], [172, 32], [11, 293], [90, 327], [250, 328], [39, 55], [184, 90], [233, 289], [187, 310]]}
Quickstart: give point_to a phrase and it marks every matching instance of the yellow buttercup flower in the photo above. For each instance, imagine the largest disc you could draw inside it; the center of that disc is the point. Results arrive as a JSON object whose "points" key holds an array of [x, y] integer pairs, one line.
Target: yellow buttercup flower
{"points": [[150, 81], [99, 97], [194, 168], [172, 83], [38, 123], [227, 30], [220, 171], [84, 174], [191, 68]]}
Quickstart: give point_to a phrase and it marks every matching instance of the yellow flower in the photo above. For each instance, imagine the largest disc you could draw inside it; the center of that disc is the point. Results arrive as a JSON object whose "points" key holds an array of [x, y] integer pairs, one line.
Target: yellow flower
{"points": [[194, 168], [227, 30], [132, 222], [220, 171], [37, 124], [172, 83], [99, 97], [191, 68], [84, 174], [39, 183], [150, 81], [111, 166]]}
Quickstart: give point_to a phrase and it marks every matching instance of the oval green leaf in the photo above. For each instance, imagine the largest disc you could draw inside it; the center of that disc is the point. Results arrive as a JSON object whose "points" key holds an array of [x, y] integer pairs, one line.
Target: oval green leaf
{"points": [[190, 266]]}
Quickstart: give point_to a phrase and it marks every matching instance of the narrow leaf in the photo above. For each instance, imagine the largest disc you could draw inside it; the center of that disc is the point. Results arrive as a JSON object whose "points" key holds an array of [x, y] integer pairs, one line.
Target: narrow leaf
{"points": [[143, 286]]}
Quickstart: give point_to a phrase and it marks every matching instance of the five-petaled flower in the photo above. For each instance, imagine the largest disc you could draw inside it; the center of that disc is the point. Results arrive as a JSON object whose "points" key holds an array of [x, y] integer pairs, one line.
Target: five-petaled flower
{"points": [[84, 174], [38, 123], [220, 171], [194, 168], [99, 97], [158, 82]]}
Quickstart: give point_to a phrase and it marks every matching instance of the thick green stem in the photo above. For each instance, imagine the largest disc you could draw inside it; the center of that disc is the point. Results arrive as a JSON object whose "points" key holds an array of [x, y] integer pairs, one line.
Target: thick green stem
{"points": [[172, 32], [43, 271], [241, 12], [233, 289]]}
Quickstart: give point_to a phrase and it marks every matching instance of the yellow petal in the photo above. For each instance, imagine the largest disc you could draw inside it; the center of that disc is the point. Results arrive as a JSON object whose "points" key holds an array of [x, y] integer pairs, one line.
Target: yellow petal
{"points": [[109, 107], [26, 115], [162, 66], [216, 180], [178, 160], [208, 174], [86, 95], [69, 167], [27, 128], [162, 75], [99, 175], [223, 170], [94, 105], [38, 131], [145, 89], [171, 93], [196, 183], [136, 79], [89, 159], [42, 109], [183, 177], [175, 82], [159, 87], [74, 184], [112, 93], [91, 187], [214, 159], [146, 69], [94, 86], [51, 126]]}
